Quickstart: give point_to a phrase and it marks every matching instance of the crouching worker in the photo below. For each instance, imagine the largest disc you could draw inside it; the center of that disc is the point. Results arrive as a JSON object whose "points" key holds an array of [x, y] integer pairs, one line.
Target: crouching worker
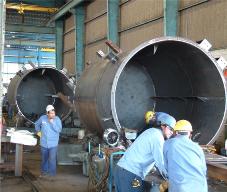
{"points": [[48, 126], [184, 161], [145, 152]]}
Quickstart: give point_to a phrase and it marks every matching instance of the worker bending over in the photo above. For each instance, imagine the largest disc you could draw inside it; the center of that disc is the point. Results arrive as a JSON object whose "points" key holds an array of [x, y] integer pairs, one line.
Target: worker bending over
{"points": [[184, 161], [49, 126], [145, 152]]}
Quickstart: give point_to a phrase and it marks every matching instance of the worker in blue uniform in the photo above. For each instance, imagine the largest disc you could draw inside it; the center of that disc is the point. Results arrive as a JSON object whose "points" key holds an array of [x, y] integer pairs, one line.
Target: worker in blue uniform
{"points": [[48, 126], [145, 152], [184, 161]]}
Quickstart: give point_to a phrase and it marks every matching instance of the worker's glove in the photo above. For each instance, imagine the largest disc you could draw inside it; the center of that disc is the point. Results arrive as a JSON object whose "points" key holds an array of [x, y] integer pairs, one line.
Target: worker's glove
{"points": [[163, 187], [39, 134], [136, 183]]}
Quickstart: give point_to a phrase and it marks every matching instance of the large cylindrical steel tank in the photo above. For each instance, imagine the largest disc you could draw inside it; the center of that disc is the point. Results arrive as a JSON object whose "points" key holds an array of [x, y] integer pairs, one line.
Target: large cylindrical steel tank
{"points": [[168, 74], [30, 91]]}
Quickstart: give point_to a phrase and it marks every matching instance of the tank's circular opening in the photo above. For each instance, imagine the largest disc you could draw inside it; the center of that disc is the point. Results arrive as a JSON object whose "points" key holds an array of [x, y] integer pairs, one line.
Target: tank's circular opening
{"points": [[174, 77], [38, 89]]}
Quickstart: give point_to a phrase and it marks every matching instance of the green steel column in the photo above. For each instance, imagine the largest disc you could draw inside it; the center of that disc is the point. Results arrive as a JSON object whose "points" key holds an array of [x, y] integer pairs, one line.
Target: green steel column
{"points": [[59, 43], [113, 20], [171, 17], [79, 19]]}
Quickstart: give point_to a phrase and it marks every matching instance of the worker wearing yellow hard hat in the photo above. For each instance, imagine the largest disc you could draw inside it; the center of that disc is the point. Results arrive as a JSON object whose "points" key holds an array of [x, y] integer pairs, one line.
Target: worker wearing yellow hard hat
{"points": [[150, 118], [183, 126], [184, 161], [149, 115]]}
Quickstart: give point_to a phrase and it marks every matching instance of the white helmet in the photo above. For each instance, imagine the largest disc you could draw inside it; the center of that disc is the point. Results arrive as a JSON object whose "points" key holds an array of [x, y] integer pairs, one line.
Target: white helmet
{"points": [[49, 108]]}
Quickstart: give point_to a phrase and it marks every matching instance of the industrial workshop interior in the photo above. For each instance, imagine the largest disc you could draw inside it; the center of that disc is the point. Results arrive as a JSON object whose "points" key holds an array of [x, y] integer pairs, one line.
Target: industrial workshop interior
{"points": [[113, 96]]}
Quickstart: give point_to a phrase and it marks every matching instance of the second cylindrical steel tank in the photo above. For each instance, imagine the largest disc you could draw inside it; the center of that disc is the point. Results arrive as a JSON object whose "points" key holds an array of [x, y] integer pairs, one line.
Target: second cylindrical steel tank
{"points": [[30, 91]]}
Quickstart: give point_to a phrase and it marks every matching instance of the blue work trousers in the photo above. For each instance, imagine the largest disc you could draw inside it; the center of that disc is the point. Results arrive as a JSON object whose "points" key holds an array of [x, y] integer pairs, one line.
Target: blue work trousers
{"points": [[124, 181], [49, 160]]}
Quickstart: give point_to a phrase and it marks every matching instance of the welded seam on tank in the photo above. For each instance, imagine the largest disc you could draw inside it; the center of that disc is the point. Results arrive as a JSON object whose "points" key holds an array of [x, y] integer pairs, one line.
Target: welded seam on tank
{"points": [[187, 75], [96, 91]]}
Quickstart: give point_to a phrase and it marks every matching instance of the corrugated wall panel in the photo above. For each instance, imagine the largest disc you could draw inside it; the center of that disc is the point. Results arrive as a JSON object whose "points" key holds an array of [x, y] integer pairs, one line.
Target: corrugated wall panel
{"points": [[69, 44], [186, 3], [96, 29], [132, 38], [90, 51], [138, 11], [208, 20], [69, 23], [69, 41], [95, 8], [69, 61], [124, 1]]}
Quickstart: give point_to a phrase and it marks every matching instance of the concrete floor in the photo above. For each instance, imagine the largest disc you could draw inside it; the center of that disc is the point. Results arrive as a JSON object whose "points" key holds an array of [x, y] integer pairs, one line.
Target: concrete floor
{"points": [[69, 178]]}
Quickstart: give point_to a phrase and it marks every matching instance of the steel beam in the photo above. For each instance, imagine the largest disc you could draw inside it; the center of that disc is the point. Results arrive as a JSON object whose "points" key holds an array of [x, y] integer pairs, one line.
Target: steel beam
{"points": [[44, 3], [79, 18], [171, 17], [30, 43], [64, 9], [2, 39], [29, 29], [113, 20], [59, 43]]}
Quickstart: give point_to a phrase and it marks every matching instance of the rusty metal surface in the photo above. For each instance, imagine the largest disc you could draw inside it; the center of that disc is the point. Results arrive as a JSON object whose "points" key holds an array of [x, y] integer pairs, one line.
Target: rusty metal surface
{"points": [[90, 51]]}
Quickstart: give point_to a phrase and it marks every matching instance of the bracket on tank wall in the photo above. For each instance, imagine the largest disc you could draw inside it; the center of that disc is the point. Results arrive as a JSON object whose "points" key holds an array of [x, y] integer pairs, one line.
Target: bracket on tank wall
{"points": [[204, 44], [113, 54], [221, 62]]}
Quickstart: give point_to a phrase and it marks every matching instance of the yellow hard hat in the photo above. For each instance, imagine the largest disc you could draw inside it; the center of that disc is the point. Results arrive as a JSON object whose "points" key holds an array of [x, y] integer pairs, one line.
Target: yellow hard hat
{"points": [[148, 116], [183, 125]]}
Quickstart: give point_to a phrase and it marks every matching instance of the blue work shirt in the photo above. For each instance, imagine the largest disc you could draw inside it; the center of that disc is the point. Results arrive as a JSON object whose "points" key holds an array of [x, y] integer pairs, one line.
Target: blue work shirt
{"points": [[50, 131], [145, 152], [185, 164]]}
